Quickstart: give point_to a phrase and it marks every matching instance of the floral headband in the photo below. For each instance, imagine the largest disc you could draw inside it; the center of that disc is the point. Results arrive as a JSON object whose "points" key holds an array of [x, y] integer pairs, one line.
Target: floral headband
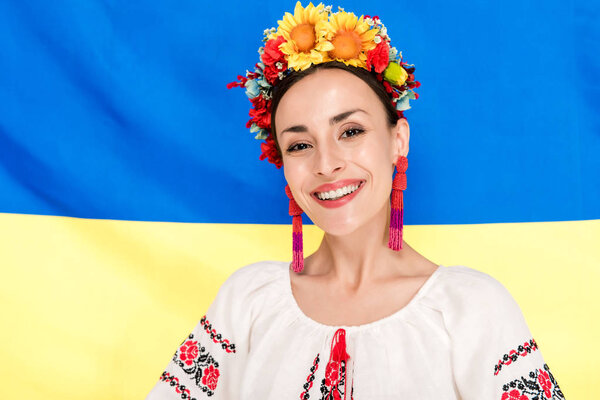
{"points": [[314, 35]]}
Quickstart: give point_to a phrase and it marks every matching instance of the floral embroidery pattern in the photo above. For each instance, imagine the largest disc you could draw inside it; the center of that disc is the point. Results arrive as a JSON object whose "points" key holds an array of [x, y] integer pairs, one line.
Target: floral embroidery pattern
{"points": [[211, 377], [309, 379], [334, 383], [199, 364], [188, 352], [179, 388], [217, 337], [539, 385], [513, 355]]}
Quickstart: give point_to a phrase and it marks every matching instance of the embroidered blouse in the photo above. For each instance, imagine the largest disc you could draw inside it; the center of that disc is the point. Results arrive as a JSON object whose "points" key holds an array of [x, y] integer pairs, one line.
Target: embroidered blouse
{"points": [[462, 336]]}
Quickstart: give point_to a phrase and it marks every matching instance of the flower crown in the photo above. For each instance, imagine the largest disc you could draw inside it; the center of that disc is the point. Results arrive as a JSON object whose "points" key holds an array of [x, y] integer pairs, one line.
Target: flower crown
{"points": [[314, 35]]}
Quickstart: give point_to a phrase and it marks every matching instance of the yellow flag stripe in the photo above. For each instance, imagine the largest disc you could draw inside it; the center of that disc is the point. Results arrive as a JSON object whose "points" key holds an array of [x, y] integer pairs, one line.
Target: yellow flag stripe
{"points": [[96, 308]]}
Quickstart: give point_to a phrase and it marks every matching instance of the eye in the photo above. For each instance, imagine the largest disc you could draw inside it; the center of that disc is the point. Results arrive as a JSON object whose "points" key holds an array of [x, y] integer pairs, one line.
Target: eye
{"points": [[297, 147], [353, 132]]}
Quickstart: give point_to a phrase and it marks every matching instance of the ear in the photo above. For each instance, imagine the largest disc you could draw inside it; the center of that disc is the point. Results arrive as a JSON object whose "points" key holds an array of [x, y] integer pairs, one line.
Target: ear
{"points": [[400, 138]]}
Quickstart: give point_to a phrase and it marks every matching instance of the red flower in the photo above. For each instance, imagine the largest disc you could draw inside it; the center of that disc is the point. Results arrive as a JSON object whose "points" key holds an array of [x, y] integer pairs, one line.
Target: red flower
{"points": [[388, 87], [260, 114], [544, 380], [211, 377], [269, 150], [331, 373], [379, 57], [188, 352], [274, 59], [271, 72], [514, 395], [239, 83], [272, 54]]}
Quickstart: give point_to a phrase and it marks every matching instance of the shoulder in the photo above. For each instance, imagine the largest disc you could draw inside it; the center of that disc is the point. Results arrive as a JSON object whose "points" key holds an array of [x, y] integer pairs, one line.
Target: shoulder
{"points": [[245, 291], [463, 281], [258, 273], [464, 293], [253, 280]]}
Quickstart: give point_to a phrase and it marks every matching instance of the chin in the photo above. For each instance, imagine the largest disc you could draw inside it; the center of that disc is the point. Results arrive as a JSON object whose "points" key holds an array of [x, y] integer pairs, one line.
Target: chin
{"points": [[337, 228], [352, 220]]}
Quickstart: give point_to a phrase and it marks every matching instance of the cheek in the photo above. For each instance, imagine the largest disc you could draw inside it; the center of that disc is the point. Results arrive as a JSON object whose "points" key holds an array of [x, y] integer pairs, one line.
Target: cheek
{"points": [[375, 153], [375, 158], [295, 173]]}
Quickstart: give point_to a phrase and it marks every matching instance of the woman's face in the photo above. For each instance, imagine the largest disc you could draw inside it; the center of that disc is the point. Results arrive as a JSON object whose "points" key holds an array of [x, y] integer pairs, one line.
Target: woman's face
{"points": [[333, 133]]}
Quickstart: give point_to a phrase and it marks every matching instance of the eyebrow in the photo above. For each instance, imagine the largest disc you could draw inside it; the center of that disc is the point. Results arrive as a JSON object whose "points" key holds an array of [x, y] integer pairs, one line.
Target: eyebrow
{"points": [[332, 121]]}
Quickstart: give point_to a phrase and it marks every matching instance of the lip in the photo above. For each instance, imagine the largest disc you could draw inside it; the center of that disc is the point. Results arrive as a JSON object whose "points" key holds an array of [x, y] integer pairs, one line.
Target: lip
{"points": [[334, 186]]}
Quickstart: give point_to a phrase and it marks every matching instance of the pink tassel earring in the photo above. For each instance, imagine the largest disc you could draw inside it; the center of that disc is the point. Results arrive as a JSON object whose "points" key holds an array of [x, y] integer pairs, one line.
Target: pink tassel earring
{"points": [[397, 215], [296, 212]]}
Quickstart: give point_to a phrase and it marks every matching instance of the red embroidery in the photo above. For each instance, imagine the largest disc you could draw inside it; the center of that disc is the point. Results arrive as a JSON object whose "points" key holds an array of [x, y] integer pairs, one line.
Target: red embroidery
{"points": [[217, 337], [200, 366], [544, 380], [514, 395], [179, 388], [539, 385], [309, 379], [513, 355], [188, 352], [332, 372], [333, 386], [211, 377]]}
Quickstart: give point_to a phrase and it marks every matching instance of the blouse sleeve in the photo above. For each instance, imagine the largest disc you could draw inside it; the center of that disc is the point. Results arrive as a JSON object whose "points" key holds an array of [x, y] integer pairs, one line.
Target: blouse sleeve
{"points": [[494, 354], [210, 360]]}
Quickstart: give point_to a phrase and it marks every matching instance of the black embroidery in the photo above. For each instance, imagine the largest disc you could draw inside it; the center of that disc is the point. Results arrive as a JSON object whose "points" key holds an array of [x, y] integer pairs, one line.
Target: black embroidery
{"points": [[333, 385], [512, 356], [309, 379], [539, 385], [198, 364], [179, 388], [217, 337]]}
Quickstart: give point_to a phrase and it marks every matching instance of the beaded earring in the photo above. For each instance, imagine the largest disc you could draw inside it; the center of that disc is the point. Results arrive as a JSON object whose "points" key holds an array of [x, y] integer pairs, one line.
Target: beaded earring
{"points": [[397, 215], [296, 212]]}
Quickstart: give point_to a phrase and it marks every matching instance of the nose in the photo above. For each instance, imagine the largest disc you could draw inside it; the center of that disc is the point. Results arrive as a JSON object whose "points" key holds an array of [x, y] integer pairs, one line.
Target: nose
{"points": [[329, 160]]}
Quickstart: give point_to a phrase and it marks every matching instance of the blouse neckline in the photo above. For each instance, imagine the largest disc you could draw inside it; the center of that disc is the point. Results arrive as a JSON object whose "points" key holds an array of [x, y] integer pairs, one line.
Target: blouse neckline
{"points": [[296, 308]]}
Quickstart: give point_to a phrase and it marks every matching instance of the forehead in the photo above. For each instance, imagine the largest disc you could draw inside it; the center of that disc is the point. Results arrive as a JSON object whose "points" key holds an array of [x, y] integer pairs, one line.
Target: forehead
{"points": [[318, 96]]}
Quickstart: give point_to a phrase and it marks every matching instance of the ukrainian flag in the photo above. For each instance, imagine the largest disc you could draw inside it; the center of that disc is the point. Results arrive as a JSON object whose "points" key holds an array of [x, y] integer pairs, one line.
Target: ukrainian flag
{"points": [[130, 188]]}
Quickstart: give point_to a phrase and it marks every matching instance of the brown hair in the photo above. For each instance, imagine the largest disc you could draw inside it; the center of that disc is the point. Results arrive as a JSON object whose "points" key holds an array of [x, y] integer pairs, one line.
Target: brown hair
{"points": [[369, 78]]}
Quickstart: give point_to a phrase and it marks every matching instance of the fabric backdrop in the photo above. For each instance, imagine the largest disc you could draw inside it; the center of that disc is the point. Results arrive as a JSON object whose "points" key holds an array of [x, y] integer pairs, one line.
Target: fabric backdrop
{"points": [[130, 188]]}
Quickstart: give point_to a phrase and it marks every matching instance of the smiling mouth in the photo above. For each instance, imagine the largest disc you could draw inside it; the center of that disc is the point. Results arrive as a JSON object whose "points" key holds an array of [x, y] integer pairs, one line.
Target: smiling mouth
{"points": [[333, 195]]}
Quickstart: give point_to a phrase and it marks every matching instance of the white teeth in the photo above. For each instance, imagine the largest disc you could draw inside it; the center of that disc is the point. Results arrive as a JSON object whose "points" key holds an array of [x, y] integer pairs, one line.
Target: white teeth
{"points": [[336, 194]]}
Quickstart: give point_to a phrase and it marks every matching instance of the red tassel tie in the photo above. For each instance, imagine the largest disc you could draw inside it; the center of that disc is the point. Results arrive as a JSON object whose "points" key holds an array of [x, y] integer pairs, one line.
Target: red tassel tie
{"points": [[296, 212], [397, 214], [336, 366]]}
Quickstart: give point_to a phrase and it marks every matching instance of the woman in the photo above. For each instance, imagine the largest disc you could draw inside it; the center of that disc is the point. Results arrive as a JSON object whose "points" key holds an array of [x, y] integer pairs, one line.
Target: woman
{"points": [[365, 316]]}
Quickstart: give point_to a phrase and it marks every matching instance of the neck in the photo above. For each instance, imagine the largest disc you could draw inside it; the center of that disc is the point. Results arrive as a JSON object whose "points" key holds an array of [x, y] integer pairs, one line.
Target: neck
{"points": [[360, 256]]}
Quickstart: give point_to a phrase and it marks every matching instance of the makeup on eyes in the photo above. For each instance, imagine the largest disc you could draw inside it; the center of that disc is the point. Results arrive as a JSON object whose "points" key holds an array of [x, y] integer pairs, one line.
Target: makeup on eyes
{"points": [[357, 129]]}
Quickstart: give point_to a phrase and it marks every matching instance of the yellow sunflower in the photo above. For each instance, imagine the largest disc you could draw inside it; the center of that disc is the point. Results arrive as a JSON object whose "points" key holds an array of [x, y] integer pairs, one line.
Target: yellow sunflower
{"points": [[304, 33], [351, 38]]}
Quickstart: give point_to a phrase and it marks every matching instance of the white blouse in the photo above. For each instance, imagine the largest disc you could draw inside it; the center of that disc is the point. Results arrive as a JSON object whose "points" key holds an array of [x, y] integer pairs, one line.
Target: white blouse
{"points": [[462, 336]]}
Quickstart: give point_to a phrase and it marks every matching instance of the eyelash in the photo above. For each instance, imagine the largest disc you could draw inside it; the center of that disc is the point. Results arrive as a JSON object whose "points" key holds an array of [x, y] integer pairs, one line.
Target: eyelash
{"points": [[358, 131]]}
